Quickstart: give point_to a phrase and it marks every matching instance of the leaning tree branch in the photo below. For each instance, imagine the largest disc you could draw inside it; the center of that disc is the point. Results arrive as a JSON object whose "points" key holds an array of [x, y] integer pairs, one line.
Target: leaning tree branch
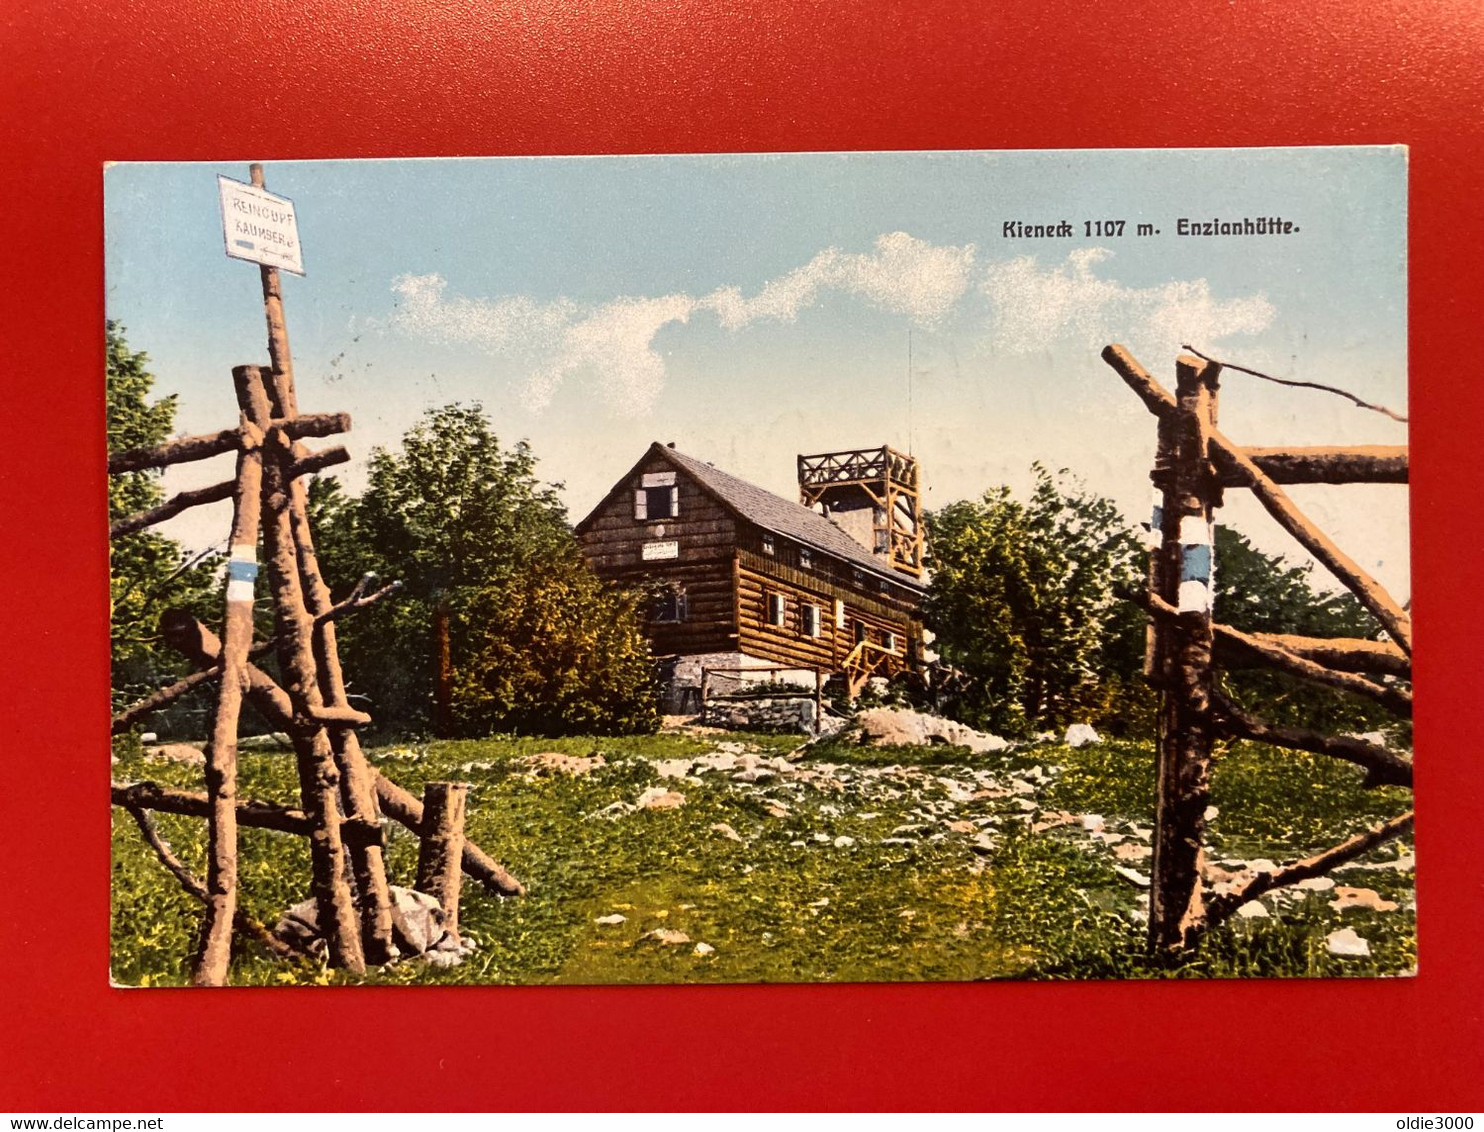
{"points": [[1270, 653], [195, 497], [184, 449], [156, 701], [1220, 908], [1383, 767], [244, 924]]}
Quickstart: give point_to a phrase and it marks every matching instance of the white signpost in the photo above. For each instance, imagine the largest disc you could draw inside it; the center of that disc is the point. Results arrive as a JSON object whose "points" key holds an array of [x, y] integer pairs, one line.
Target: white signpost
{"points": [[259, 226]]}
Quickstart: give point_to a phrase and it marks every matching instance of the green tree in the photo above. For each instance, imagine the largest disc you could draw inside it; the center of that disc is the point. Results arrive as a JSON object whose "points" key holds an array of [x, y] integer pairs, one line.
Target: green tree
{"points": [[536, 643], [147, 571], [1024, 599]]}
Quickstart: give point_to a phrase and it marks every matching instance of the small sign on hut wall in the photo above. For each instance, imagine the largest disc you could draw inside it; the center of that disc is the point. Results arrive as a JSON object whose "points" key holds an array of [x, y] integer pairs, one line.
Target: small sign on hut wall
{"points": [[660, 550]]}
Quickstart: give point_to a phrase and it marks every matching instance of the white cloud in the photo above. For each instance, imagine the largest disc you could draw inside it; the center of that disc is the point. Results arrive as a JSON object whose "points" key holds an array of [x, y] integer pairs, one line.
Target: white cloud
{"points": [[612, 344], [1033, 307], [905, 275]]}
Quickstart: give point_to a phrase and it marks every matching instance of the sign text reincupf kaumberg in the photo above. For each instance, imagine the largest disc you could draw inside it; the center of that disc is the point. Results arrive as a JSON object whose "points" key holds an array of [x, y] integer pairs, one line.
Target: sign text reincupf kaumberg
{"points": [[259, 226]]}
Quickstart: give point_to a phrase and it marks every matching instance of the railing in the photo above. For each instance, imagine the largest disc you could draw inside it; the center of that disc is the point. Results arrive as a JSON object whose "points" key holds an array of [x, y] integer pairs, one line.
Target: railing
{"points": [[863, 662]]}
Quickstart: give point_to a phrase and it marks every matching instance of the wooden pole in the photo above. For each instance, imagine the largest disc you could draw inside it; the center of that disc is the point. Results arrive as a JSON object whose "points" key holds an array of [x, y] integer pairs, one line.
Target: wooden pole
{"points": [[319, 777], [357, 782], [214, 955], [442, 848], [1176, 900]]}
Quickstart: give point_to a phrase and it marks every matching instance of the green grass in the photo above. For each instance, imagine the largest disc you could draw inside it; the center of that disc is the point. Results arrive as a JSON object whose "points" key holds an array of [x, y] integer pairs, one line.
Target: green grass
{"points": [[861, 879]]}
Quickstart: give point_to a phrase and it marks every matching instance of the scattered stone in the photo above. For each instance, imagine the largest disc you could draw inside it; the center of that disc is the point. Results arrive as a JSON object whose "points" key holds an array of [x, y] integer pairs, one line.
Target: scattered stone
{"points": [[869, 816], [728, 832], [844, 842], [182, 753], [989, 792], [982, 843], [1316, 884], [673, 768], [1211, 813], [775, 810], [822, 902], [1253, 910], [1133, 876], [1081, 735], [614, 810], [1346, 944], [1262, 865], [1128, 851], [611, 920], [963, 827], [704, 949], [754, 774], [658, 798], [551, 763], [666, 937], [898, 727], [822, 838], [1361, 898], [1092, 823], [420, 913], [1021, 786], [1026, 804]]}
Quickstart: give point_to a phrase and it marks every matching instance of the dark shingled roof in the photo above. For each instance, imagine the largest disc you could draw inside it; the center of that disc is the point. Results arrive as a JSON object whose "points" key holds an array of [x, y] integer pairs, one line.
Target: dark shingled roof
{"points": [[783, 516]]}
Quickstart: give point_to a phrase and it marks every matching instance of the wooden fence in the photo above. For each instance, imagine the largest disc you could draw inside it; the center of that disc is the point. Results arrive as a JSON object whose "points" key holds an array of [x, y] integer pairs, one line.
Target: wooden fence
{"points": [[1193, 464], [342, 797]]}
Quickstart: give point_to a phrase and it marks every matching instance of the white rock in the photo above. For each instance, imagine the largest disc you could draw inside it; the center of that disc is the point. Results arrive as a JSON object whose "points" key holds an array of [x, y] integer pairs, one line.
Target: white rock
{"points": [[1081, 735], [1092, 823], [884, 727], [609, 920], [1316, 884], [669, 937], [844, 842], [705, 949], [658, 798], [727, 831], [1211, 813], [672, 768], [1132, 875], [1253, 910], [1347, 944]]}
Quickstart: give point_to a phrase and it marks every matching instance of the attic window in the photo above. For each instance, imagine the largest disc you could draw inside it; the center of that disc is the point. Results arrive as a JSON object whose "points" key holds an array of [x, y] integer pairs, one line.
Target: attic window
{"points": [[768, 547], [806, 557], [656, 497]]}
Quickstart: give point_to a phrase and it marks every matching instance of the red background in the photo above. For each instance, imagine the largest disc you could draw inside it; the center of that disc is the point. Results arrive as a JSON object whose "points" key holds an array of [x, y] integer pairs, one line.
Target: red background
{"points": [[128, 80]]}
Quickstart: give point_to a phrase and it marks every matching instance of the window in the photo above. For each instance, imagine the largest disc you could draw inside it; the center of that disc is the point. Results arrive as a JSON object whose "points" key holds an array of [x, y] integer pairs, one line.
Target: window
{"points": [[768, 547], [669, 606], [806, 557], [811, 620], [860, 632], [777, 610], [656, 497], [889, 641]]}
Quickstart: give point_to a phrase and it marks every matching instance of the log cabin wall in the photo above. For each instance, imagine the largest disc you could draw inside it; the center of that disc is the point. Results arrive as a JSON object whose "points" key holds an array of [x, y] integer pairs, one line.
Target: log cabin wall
{"points": [[705, 534], [845, 610]]}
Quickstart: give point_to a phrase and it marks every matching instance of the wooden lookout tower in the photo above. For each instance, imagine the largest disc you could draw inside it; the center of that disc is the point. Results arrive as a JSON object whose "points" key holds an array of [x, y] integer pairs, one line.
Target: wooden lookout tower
{"points": [[874, 495]]}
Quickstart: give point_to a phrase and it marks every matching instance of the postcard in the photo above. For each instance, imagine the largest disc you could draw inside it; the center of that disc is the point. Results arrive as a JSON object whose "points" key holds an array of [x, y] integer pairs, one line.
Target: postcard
{"points": [[760, 568]]}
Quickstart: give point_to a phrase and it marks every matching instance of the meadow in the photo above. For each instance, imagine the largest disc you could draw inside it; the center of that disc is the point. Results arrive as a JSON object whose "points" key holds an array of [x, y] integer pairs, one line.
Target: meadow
{"points": [[835, 862]]}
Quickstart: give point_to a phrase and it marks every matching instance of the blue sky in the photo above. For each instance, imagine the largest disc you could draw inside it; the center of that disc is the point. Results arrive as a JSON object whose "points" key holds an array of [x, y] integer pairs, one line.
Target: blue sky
{"points": [[753, 307]]}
